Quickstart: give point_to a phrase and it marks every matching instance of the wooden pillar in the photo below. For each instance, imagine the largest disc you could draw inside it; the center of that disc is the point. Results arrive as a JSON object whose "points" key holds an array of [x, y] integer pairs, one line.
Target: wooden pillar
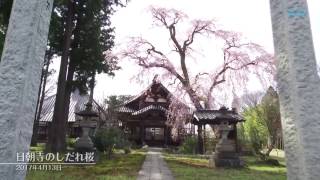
{"points": [[204, 138], [236, 137], [141, 132], [165, 136], [193, 129], [169, 135], [200, 139]]}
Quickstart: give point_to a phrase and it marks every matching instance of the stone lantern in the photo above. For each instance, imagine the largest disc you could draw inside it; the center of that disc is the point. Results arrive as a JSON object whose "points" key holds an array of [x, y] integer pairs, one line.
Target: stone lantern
{"points": [[226, 152], [85, 144]]}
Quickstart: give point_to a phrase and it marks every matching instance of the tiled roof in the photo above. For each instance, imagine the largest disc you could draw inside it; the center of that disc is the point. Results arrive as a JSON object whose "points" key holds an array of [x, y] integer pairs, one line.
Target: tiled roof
{"points": [[205, 115], [144, 91], [124, 109], [148, 108], [77, 103], [215, 115]]}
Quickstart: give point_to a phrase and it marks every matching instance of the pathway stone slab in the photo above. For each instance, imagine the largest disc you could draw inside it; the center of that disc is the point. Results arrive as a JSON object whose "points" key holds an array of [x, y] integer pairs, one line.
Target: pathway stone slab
{"points": [[154, 167]]}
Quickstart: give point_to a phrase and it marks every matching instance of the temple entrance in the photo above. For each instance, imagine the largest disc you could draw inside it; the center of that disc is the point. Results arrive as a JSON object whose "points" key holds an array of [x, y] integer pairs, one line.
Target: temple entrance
{"points": [[154, 136], [145, 116]]}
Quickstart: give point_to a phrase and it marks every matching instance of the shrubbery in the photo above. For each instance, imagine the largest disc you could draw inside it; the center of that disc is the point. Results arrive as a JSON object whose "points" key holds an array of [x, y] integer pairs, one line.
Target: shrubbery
{"points": [[71, 142], [105, 140], [210, 143], [189, 145], [254, 130]]}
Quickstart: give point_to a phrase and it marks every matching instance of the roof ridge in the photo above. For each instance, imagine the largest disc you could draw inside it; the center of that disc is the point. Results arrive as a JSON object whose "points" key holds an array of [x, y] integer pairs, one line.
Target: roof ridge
{"points": [[147, 88]]}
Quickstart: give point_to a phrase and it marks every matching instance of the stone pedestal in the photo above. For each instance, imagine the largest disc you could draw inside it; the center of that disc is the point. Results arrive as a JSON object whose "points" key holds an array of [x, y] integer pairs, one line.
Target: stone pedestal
{"points": [[225, 152], [225, 156], [84, 143]]}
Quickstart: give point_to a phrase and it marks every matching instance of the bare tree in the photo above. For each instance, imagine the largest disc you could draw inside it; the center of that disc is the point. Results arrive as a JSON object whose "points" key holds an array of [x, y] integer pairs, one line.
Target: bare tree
{"points": [[247, 100], [239, 59]]}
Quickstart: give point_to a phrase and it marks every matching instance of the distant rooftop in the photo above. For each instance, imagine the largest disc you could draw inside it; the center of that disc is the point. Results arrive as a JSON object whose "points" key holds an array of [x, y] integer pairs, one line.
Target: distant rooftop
{"points": [[77, 104]]}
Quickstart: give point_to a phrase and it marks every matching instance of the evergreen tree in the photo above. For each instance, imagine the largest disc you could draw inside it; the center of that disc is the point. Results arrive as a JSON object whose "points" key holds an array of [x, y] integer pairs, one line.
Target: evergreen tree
{"points": [[263, 123], [270, 113], [56, 139], [81, 33], [110, 104], [5, 10], [54, 48], [90, 39]]}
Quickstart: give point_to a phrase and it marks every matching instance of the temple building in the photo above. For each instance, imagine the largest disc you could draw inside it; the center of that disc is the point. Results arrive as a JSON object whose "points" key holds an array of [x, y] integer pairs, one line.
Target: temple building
{"points": [[144, 117], [77, 104]]}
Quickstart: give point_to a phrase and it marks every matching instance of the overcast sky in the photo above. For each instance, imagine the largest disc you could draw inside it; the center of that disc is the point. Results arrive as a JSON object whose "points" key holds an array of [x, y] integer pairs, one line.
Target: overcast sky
{"points": [[250, 17]]}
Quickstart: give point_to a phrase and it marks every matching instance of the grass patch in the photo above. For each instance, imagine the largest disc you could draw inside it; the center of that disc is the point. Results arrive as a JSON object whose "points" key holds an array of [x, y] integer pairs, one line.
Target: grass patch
{"points": [[191, 168], [120, 167], [39, 147]]}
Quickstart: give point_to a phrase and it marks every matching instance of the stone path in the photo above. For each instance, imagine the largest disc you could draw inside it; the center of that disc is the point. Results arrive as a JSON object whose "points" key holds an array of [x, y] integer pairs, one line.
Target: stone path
{"points": [[154, 167]]}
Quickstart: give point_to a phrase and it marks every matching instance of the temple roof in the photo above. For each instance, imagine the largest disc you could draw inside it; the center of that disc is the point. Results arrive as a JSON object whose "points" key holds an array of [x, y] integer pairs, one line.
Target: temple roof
{"points": [[216, 116], [156, 97], [149, 108], [125, 109], [77, 104], [154, 88]]}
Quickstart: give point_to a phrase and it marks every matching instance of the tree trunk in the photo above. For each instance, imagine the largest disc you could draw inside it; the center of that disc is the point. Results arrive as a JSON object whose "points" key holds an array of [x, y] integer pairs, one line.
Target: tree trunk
{"points": [[269, 150], [42, 90], [196, 102], [57, 134], [68, 92], [91, 86], [35, 120], [71, 69], [270, 146], [193, 97]]}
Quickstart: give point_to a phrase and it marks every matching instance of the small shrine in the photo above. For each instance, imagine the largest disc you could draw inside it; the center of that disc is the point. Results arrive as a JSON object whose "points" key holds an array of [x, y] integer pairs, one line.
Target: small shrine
{"points": [[226, 151]]}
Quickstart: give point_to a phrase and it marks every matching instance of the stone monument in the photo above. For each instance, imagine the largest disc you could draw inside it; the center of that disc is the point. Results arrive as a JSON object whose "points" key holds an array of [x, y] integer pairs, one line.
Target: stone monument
{"points": [[299, 87], [20, 70]]}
